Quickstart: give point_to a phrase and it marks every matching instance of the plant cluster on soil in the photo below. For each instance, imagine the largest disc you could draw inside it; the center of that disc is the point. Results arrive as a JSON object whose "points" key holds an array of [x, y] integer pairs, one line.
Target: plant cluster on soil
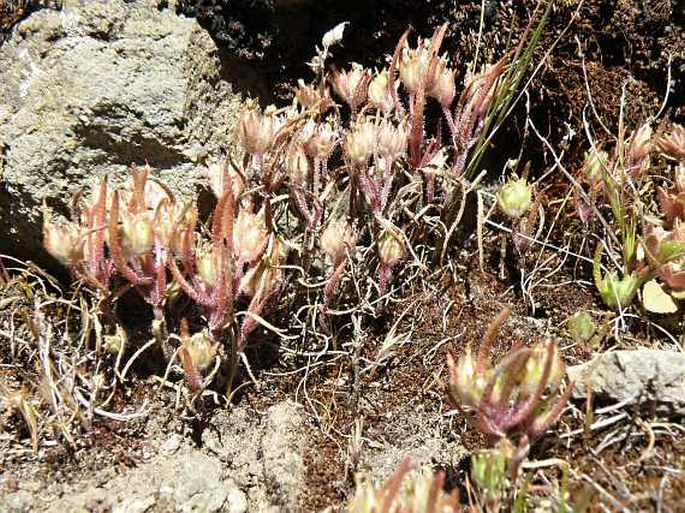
{"points": [[355, 259]]}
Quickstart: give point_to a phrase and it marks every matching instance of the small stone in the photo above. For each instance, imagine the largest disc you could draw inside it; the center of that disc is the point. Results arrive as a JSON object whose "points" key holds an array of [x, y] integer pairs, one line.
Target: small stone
{"points": [[17, 502], [172, 444], [200, 487], [652, 379], [135, 505]]}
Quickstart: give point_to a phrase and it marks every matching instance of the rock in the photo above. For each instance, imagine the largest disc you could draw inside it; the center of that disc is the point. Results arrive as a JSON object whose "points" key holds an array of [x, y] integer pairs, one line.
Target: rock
{"points": [[187, 481], [284, 468], [649, 378], [17, 502], [200, 488], [265, 455], [137, 505], [172, 444], [92, 88]]}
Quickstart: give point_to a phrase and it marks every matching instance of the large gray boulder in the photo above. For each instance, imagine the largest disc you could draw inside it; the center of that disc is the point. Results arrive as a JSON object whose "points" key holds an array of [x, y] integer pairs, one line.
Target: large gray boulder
{"points": [[87, 90]]}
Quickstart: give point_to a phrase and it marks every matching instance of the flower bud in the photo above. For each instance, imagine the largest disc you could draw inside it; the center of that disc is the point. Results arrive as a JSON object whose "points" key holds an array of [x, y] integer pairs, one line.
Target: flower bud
{"points": [[319, 139], [208, 267], [413, 65], [360, 143], [137, 236], [335, 238], [114, 344], [465, 383], [618, 292], [442, 84], [201, 349], [515, 197], [310, 97], [640, 143], [219, 175], [177, 234], [62, 241], [391, 249], [536, 364], [673, 144], [351, 85], [249, 235], [392, 141], [257, 131], [581, 326], [480, 88], [264, 276], [595, 163], [298, 167], [379, 94], [489, 470]]}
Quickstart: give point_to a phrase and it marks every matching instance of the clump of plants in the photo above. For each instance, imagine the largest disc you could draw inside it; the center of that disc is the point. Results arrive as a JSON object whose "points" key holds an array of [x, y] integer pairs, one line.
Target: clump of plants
{"points": [[514, 402], [644, 242], [408, 490], [323, 202]]}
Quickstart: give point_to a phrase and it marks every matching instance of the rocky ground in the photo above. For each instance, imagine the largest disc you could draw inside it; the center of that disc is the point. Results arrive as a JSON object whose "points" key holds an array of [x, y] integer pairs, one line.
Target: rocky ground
{"points": [[172, 77]]}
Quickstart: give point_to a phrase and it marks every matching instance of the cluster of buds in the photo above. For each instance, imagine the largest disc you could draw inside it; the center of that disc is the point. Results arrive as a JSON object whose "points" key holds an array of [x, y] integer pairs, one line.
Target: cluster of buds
{"points": [[142, 233], [408, 490], [387, 142], [421, 67], [143, 226], [231, 264], [381, 137], [139, 225], [617, 175], [306, 165], [521, 395]]}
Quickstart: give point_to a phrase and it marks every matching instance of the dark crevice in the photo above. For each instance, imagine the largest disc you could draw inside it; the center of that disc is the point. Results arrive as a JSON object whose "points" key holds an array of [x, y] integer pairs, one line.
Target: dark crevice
{"points": [[125, 151]]}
